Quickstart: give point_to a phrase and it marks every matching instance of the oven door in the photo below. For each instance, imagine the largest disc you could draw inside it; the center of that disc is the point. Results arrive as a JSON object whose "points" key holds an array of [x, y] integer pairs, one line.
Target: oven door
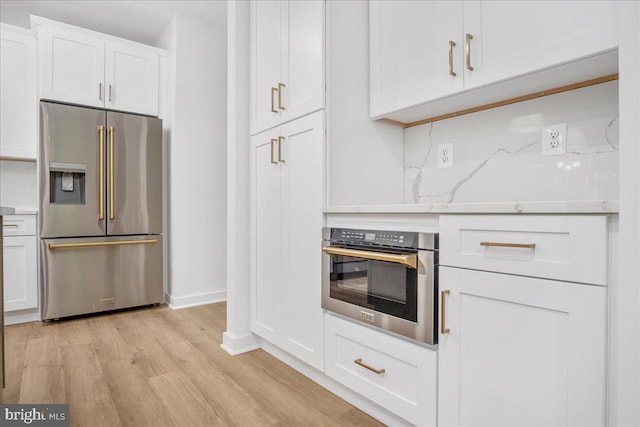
{"points": [[393, 291]]}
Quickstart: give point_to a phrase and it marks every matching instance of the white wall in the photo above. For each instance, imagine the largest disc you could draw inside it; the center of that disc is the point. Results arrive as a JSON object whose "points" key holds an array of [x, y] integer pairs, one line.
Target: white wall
{"points": [[197, 161], [365, 157], [19, 185]]}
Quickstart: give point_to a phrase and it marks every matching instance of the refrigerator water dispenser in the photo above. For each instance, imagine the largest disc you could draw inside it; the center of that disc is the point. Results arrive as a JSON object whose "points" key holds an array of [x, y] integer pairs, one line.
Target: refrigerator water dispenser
{"points": [[67, 183]]}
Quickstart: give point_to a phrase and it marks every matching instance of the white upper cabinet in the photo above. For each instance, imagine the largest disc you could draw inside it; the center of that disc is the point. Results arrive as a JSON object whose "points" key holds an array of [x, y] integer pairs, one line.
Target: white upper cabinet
{"points": [[511, 38], [410, 45], [18, 106], [425, 51], [287, 53], [87, 68]]}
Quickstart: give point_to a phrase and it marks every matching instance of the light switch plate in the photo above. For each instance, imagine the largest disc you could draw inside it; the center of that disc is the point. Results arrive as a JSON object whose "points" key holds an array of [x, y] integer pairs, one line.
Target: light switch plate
{"points": [[445, 155], [554, 139]]}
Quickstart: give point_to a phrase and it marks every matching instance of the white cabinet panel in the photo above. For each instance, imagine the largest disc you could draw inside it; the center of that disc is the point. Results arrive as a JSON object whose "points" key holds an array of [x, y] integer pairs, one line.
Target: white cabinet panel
{"points": [[286, 211], [19, 225], [131, 78], [18, 99], [511, 38], [410, 52], [521, 351], [20, 273], [71, 66]]}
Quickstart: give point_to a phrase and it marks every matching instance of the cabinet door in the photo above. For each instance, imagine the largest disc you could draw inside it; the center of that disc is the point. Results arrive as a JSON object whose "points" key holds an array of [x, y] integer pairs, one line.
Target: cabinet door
{"points": [[410, 48], [266, 295], [20, 273], [302, 58], [265, 64], [132, 78], [302, 201], [520, 351], [71, 67], [512, 38], [18, 98]]}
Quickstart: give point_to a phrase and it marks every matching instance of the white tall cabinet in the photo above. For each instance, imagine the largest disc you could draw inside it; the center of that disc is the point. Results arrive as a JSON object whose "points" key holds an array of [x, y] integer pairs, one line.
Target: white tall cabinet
{"points": [[287, 57], [18, 104], [286, 222]]}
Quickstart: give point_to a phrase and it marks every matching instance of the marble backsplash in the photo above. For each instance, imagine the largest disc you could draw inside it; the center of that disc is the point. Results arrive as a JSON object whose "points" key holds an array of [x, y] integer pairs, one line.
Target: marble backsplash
{"points": [[497, 153]]}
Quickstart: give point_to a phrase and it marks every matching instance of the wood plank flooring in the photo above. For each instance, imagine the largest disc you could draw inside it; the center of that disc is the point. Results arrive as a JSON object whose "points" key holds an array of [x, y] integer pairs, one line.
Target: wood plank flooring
{"points": [[162, 367]]}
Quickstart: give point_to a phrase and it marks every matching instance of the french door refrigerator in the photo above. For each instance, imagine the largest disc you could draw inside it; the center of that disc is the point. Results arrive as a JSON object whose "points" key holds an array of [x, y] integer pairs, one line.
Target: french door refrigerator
{"points": [[100, 221]]}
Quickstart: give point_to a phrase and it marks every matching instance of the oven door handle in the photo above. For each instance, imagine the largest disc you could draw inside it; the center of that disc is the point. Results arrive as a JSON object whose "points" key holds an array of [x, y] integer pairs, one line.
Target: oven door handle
{"points": [[408, 260]]}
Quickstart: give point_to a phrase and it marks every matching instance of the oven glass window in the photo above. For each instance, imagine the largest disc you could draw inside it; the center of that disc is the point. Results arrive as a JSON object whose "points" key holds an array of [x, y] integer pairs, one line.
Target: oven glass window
{"points": [[381, 286]]}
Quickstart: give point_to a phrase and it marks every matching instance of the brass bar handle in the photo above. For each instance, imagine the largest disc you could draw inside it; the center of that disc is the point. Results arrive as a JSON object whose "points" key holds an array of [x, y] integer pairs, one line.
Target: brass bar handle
{"points": [[280, 138], [273, 142], [443, 329], [451, 45], [280, 87], [53, 246], [109, 93], [371, 368], [467, 47], [101, 175], [100, 91], [10, 225], [112, 211], [273, 107], [509, 245], [408, 260]]}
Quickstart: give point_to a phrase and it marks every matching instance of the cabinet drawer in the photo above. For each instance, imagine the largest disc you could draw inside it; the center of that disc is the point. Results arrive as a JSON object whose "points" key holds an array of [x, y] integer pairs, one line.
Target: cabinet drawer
{"points": [[407, 387], [19, 225], [566, 247]]}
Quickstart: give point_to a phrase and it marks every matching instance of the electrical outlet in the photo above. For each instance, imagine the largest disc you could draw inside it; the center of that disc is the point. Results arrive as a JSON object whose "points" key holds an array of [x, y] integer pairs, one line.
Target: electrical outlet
{"points": [[445, 155], [554, 139]]}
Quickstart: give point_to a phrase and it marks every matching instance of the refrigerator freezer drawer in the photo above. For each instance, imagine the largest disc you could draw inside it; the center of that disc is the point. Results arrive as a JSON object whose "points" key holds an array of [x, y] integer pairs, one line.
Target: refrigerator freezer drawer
{"points": [[90, 275]]}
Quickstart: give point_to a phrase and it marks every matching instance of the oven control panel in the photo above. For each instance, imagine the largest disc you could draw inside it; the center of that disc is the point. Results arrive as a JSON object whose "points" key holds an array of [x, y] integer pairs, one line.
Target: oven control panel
{"points": [[374, 237]]}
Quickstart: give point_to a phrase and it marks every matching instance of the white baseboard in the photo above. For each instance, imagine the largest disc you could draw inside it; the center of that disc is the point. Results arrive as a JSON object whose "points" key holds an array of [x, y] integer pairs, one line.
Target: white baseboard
{"points": [[238, 345], [21, 316], [357, 400], [194, 300]]}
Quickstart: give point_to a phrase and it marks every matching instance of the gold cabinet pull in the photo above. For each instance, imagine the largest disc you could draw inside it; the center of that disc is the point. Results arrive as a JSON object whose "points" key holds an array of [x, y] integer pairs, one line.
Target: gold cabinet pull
{"points": [[112, 211], [273, 107], [451, 45], [280, 87], [359, 362], [273, 143], [408, 260], [280, 138], [443, 329], [10, 225], [109, 93], [53, 246], [467, 48], [509, 245], [101, 174], [100, 91]]}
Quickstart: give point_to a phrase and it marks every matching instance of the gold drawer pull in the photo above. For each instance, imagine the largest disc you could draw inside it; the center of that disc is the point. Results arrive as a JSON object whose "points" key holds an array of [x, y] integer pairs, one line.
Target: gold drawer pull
{"points": [[10, 225], [509, 245], [372, 369], [91, 244]]}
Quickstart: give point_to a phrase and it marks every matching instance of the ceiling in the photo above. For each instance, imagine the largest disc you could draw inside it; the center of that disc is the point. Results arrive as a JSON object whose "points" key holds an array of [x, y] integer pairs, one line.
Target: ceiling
{"points": [[142, 21]]}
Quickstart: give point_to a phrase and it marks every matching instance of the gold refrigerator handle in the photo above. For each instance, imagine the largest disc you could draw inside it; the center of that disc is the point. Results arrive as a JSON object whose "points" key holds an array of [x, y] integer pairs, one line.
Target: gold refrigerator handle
{"points": [[91, 244], [112, 213], [443, 315], [101, 176], [468, 39], [408, 260]]}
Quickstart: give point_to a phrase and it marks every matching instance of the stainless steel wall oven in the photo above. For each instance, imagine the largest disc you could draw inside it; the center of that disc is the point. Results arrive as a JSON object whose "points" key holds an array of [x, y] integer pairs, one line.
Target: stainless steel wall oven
{"points": [[385, 278]]}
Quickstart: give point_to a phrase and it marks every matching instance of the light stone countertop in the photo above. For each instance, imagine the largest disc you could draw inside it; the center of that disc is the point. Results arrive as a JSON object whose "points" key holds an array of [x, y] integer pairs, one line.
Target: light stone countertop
{"points": [[6, 211], [556, 207]]}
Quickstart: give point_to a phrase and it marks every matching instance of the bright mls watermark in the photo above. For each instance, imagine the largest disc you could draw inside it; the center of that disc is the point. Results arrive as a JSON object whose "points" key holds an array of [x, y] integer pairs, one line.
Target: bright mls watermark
{"points": [[35, 415]]}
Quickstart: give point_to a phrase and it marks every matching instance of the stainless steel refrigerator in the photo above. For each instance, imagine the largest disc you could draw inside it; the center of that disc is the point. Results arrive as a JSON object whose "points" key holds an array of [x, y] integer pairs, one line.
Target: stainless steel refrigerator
{"points": [[100, 224]]}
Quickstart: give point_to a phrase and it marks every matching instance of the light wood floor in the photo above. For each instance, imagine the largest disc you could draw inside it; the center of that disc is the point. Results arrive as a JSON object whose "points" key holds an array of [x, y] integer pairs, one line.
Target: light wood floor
{"points": [[161, 367]]}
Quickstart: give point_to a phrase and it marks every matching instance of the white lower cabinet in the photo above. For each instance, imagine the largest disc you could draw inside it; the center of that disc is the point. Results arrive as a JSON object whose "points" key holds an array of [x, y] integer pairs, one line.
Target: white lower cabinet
{"points": [[286, 227], [20, 258], [394, 373], [522, 343]]}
